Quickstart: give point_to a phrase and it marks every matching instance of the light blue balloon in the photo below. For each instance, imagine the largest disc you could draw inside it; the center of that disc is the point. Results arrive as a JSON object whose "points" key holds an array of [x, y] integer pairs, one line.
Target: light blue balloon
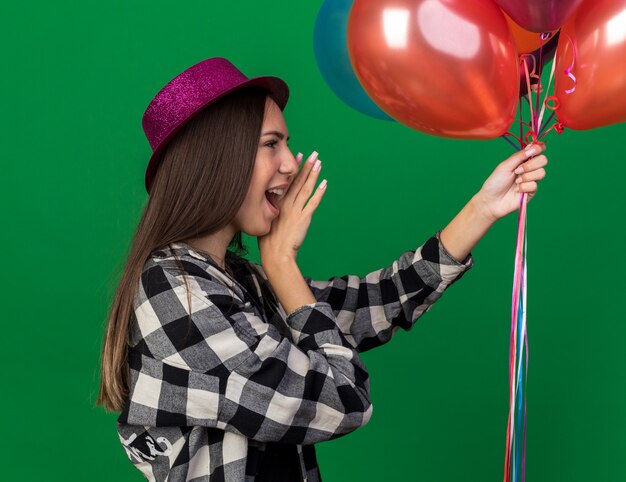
{"points": [[333, 61]]}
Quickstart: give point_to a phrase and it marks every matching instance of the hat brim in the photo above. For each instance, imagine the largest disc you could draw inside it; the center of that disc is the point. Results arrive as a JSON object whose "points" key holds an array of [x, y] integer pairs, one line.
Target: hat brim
{"points": [[276, 88]]}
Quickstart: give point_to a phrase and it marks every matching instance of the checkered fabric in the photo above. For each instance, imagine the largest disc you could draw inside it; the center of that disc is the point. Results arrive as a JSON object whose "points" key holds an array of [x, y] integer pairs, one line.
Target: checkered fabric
{"points": [[225, 386]]}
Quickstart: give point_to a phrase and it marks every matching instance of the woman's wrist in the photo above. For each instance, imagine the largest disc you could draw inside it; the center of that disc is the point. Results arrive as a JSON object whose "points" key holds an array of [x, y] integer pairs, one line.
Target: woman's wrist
{"points": [[460, 236], [484, 213], [288, 284]]}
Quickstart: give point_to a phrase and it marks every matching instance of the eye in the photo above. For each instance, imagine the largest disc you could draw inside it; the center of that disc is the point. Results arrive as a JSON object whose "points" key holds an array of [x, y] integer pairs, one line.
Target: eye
{"points": [[271, 144]]}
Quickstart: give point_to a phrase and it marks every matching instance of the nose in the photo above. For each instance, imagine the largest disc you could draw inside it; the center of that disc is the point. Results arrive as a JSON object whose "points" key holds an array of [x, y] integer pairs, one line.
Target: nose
{"points": [[289, 165]]}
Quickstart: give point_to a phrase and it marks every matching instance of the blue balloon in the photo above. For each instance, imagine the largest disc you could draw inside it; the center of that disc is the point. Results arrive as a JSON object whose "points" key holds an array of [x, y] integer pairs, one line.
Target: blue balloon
{"points": [[333, 61]]}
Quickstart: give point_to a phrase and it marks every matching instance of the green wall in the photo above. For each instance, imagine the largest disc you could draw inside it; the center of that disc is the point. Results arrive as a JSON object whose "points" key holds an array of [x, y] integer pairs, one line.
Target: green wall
{"points": [[77, 77]]}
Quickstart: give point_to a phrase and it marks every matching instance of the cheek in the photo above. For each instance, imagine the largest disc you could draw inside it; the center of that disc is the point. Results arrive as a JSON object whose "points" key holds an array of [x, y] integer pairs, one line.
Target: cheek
{"points": [[254, 211]]}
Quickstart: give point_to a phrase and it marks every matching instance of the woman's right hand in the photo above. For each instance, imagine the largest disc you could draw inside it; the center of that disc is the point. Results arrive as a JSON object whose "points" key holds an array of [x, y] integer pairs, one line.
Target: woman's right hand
{"points": [[289, 228]]}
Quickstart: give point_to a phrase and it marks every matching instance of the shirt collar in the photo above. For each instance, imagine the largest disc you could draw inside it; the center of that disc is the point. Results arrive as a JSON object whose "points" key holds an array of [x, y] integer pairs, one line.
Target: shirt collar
{"points": [[181, 247]]}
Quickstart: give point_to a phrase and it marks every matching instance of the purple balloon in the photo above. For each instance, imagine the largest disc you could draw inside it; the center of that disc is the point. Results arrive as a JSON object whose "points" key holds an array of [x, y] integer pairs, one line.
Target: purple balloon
{"points": [[539, 15]]}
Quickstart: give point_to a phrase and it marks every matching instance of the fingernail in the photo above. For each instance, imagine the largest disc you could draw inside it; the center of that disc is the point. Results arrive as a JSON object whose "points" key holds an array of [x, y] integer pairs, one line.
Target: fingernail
{"points": [[313, 157], [531, 151], [323, 184], [519, 170], [518, 180], [299, 157], [317, 166]]}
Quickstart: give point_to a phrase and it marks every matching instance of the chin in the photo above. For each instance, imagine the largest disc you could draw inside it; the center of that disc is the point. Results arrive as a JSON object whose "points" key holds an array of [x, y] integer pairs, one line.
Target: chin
{"points": [[259, 228]]}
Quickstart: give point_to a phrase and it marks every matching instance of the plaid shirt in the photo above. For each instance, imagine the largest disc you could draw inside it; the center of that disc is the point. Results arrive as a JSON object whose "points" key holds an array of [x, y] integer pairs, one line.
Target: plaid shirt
{"points": [[242, 391]]}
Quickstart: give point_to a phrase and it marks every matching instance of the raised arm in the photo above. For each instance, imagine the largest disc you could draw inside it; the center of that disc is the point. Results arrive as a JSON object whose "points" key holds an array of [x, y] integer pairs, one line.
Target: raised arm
{"points": [[370, 309]]}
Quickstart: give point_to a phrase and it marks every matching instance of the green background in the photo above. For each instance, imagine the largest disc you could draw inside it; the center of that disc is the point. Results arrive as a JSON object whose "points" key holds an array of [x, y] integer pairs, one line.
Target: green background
{"points": [[77, 77]]}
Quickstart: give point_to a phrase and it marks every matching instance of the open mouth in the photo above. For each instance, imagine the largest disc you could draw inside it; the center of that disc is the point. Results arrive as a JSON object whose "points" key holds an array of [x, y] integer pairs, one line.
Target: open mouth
{"points": [[271, 199]]}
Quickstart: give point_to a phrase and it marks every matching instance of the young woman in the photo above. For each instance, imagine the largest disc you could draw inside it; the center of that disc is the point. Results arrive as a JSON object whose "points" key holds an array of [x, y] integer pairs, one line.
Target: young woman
{"points": [[228, 370]]}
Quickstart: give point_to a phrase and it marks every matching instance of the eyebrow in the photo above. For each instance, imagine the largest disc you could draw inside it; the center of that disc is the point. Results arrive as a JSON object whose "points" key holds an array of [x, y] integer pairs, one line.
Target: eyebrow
{"points": [[278, 134]]}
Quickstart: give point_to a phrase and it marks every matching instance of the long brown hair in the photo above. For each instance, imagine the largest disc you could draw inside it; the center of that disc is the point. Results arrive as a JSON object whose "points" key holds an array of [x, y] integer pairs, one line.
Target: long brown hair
{"points": [[198, 188]]}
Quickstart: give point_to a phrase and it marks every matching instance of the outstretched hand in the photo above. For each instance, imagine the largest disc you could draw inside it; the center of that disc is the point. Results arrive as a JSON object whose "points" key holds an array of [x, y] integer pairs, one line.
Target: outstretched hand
{"points": [[500, 193]]}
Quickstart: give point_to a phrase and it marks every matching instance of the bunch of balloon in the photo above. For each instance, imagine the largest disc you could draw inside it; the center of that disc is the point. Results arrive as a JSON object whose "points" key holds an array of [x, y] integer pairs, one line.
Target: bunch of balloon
{"points": [[589, 74], [470, 69]]}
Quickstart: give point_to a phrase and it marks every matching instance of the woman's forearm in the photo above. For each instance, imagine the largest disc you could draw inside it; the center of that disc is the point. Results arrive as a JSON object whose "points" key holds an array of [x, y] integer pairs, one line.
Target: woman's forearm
{"points": [[288, 284], [462, 234], [458, 238]]}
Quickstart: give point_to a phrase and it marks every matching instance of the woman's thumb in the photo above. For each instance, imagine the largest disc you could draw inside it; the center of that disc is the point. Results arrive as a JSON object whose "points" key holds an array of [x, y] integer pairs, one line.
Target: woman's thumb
{"points": [[522, 156]]}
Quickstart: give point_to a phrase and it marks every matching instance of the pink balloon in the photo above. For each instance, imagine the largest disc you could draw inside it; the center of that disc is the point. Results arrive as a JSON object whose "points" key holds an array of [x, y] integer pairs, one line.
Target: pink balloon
{"points": [[539, 15]]}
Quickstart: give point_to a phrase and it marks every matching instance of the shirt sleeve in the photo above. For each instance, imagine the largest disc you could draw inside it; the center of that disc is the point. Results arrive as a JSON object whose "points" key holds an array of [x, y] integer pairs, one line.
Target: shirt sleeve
{"points": [[227, 368], [369, 310]]}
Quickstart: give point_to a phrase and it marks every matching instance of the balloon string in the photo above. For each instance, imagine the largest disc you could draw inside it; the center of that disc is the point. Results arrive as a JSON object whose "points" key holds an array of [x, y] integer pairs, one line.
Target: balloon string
{"points": [[545, 124], [512, 442], [523, 349], [532, 115], [543, 106], [557, 127], [568, 70], [525, 342], [506, 136], [538, 92], [516, 436], [515, 455], [537, 128], [521, 123]]}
